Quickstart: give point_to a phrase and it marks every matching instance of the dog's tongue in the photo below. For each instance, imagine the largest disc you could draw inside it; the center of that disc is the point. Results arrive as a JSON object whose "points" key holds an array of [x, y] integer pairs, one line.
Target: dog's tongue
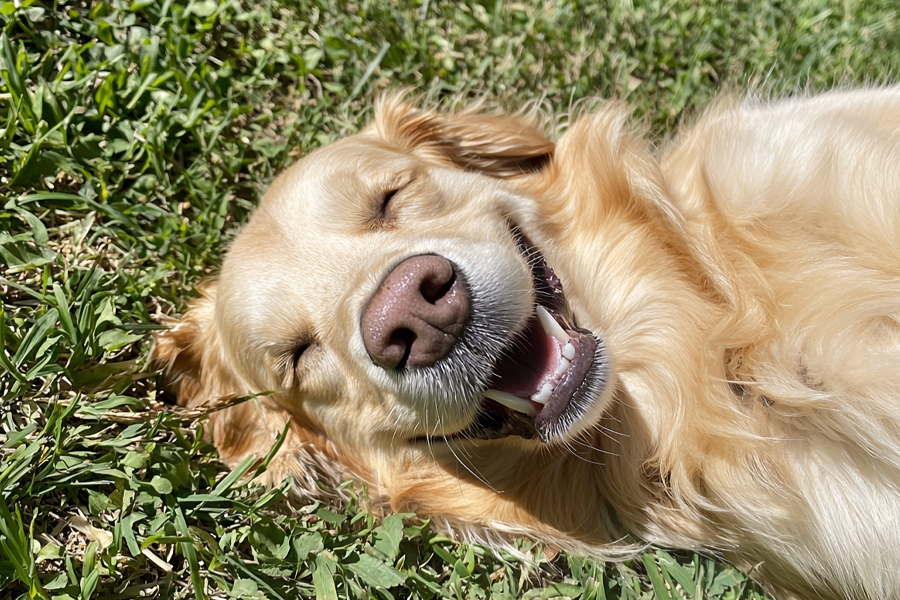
{"points": [[525, 379]]}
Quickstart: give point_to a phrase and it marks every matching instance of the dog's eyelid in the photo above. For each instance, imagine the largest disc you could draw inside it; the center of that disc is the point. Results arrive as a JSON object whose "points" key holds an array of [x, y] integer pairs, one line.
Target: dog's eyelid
{"points": [[386, 200], [293, 354], [388, 195], [298, 351], [396, 185]]}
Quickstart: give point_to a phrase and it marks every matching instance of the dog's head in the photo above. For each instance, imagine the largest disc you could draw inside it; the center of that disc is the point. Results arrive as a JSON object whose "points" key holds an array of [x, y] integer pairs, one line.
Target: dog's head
{"points": [[393, 291]]}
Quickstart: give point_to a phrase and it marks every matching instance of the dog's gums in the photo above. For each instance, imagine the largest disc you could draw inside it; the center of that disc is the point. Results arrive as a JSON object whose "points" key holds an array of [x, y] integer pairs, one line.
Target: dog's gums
{"points": [[595, 342]]}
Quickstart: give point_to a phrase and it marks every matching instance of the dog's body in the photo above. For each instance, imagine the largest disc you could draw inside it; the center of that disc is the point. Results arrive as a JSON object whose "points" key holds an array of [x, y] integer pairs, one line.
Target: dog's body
{"points": [[735, 386]]}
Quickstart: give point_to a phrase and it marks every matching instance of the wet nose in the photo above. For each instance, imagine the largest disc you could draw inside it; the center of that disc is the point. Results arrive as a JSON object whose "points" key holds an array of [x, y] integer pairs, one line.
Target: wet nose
{"points": [[417, 314]]}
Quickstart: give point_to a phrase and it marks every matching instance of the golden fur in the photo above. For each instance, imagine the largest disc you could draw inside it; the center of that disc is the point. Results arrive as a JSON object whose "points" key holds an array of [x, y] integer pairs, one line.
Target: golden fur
{"points": [[746, 282]]}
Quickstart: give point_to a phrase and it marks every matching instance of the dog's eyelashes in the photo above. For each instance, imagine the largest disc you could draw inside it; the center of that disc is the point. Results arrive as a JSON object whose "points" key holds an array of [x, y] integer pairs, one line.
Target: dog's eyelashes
{"points": [[288, 358], [386, 210], [385, 201], [297, 353]]}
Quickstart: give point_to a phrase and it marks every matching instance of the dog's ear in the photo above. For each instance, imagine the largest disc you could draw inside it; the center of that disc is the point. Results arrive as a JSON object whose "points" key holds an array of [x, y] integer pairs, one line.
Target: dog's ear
{"points": [[497, 145], [189, 355], [195, 373]]}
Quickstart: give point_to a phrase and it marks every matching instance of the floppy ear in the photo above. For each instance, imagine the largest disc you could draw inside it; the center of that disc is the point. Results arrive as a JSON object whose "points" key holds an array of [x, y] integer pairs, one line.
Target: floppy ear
{"points": [[497, 145], [187, 353], [196, 372]]}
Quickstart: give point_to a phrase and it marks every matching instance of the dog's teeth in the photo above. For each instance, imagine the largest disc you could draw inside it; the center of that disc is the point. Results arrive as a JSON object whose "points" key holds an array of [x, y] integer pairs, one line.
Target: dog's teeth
{"points": [[543, 396], [562, 367], [569, 351], [511, 401], [551, 327]]}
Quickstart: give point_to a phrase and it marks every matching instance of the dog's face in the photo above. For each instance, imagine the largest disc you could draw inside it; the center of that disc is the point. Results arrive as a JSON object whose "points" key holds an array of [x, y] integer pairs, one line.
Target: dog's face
{"points": [[375, 287], [395, 291]]}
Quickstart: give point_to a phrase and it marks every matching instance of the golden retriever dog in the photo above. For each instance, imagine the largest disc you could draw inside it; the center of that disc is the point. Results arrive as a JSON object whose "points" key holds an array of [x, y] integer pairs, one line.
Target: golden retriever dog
{"points": [[586, 341]]}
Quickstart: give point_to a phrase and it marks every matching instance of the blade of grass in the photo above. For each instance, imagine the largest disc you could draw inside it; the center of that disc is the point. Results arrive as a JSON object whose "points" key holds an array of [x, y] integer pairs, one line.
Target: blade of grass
{"points": [[190, 554], [369, 70], [659, 587], [17, 547]]}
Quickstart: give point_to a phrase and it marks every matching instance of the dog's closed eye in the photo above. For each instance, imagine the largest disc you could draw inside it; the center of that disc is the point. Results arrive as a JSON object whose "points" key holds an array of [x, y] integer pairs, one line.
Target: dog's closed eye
{"points": [[289, 359], [387, 213], [386, 210], [297, 353]]}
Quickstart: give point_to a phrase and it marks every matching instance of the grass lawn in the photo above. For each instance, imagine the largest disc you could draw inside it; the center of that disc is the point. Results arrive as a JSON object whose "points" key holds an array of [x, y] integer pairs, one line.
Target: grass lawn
{"points": [[136, 135]]}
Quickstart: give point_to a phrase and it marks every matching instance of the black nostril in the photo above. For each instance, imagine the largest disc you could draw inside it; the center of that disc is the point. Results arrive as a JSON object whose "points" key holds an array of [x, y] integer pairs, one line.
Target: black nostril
{"points": [[403, 338], [433, 290]]}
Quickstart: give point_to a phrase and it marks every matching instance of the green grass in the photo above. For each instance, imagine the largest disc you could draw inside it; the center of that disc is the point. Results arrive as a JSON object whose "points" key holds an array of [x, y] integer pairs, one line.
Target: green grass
{"points": [[136, 136]]}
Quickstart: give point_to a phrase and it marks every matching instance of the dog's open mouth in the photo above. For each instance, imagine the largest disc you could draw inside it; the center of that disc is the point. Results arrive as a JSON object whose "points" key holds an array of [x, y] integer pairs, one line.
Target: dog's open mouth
{"points": [[551, 374]]}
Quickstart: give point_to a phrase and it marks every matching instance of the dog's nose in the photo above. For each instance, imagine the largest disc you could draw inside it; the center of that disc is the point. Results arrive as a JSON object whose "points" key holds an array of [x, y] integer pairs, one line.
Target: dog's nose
{"points": [[417, 314]]}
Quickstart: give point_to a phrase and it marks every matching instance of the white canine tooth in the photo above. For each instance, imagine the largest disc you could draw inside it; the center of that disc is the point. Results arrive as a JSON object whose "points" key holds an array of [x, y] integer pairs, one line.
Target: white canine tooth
{"points": [[551, 327], [562, 367], [511, 401], [569, 351], [543, 396]]}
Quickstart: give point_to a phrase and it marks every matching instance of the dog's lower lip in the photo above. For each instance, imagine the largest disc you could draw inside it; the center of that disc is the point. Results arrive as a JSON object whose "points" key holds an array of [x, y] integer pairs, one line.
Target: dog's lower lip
{"points": [[570, 384]]}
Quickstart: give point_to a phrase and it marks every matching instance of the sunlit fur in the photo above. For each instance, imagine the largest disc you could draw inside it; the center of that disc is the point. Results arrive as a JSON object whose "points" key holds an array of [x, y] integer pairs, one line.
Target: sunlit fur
{"points": [[745, 280]]}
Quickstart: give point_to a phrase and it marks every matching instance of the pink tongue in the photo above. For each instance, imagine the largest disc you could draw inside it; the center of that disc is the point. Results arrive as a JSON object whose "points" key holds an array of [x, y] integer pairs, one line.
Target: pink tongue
{"points": [[531, 362]]}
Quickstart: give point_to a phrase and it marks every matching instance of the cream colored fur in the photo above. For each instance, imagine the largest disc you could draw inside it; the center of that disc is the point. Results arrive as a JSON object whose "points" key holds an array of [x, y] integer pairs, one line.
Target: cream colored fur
{"points": [[746, 281]]}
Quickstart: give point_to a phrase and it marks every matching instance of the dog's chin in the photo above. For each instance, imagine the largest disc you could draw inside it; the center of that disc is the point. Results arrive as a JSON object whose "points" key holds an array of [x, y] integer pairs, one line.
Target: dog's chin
{"points": [[536, 377]]}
